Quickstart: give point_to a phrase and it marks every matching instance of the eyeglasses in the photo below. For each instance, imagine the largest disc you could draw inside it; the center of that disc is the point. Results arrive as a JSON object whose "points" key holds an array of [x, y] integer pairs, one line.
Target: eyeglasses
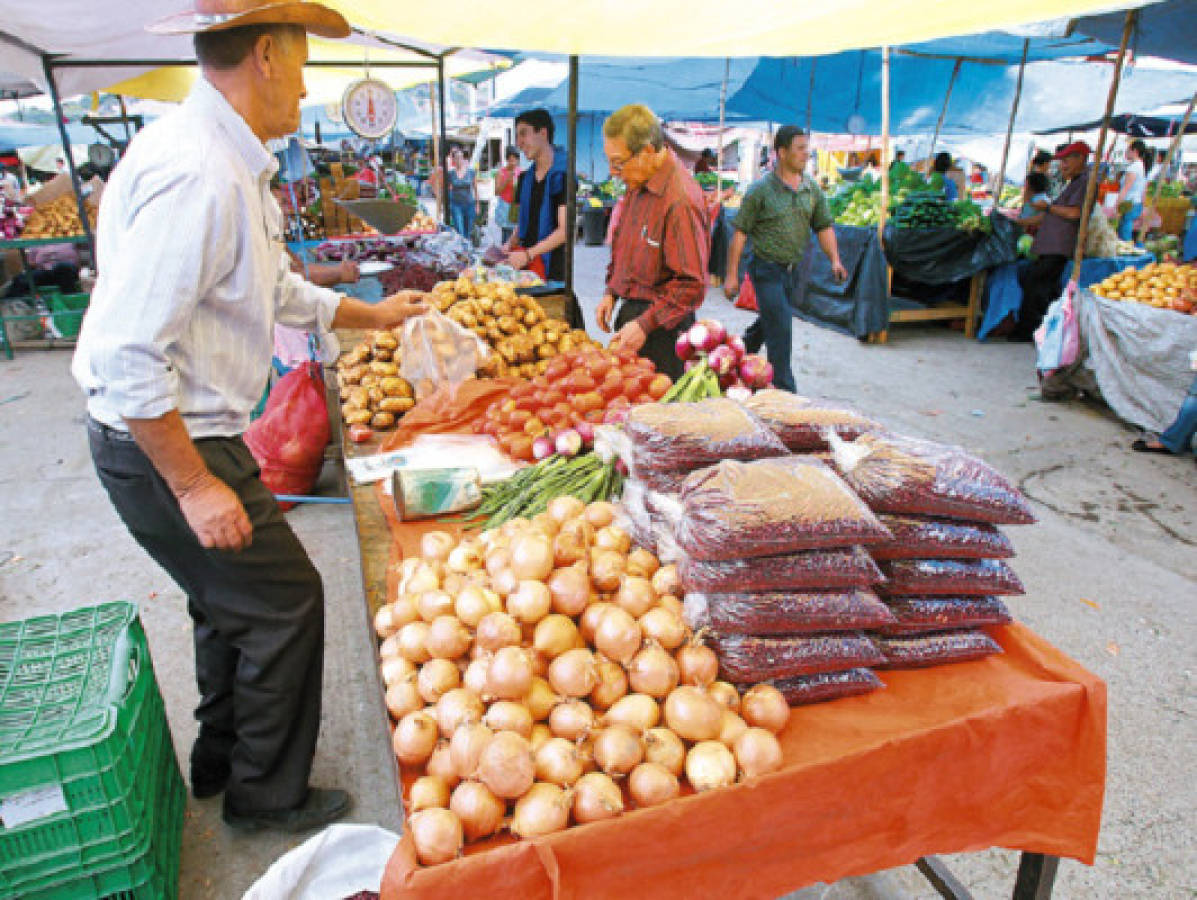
{"points": [[616, 165]]}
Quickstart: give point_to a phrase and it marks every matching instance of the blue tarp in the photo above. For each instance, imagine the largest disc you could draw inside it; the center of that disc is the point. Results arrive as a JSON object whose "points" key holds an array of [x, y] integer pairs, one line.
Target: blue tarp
{"points": [[23, 134], [1167, 30]]}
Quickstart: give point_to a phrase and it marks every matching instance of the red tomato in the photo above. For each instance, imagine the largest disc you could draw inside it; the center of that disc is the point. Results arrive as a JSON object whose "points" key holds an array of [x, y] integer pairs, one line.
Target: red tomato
{"points": [[523, 389], [539, 382], [598, 365], [575, 417], [530, 402], [564, 408], [517, 418], [591, 400], [520, 447], [553, 417], [627, 355], [620, 402], [558, 368], [659, 386], [553, 396], [534, 427], [644, 398], [645, 364], [578, 382], [359, 434], [595, 416], [609, 389]]}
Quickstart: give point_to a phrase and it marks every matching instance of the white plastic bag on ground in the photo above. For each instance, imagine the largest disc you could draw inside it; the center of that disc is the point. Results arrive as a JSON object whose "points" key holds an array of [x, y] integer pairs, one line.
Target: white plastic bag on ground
{"points": [[339, 862]]}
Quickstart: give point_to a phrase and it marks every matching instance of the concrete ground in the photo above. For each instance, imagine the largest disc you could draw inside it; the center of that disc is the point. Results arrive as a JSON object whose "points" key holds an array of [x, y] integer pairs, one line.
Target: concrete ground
{"points": [[1110, 572]]}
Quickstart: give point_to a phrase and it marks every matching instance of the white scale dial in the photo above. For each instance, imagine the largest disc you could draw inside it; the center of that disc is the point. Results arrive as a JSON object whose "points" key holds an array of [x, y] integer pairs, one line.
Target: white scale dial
{"points": [[369, 108]]}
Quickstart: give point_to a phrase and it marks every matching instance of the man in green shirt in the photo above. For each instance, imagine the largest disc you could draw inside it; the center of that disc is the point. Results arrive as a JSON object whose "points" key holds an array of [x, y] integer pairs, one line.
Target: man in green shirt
{"points": [[779, 213]]}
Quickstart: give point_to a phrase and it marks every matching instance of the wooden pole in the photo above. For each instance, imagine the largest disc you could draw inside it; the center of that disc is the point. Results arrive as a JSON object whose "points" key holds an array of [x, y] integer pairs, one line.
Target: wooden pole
{"points": [[1091, 186], [437, 174], [1177, 139], [722, 119], [943, 113], [1000, 181], [884, 143], [441, 113], [810, 98], [571, 187]]}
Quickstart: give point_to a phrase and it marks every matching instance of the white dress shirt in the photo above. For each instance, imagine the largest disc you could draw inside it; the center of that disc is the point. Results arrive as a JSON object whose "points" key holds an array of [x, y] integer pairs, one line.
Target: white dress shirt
{"points": [[192, 276]]}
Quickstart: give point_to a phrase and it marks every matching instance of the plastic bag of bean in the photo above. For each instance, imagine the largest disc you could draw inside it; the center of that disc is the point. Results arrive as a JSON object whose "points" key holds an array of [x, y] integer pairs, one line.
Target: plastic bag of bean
{"points": [[805, 689], [903, 475], [936, 649], [916, 615], [805, 570], [783, 612], [948, 577], [749, 658], [769, 507], [676, 437], [634, 518], [917, 537], [803, 423]]}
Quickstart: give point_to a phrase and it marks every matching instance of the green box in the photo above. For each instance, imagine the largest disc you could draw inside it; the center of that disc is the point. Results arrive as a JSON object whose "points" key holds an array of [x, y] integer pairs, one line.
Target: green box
{"points": [[82, 723], [67, 311]]}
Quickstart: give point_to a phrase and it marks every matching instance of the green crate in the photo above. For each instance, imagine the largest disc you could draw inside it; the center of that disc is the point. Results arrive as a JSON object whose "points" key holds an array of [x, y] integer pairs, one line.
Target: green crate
{"points": [[67, 311], [80, 711]]}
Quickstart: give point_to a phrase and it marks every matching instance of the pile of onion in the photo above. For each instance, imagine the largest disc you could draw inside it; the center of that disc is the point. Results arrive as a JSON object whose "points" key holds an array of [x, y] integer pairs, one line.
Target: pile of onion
{"points": [[542, 675]]}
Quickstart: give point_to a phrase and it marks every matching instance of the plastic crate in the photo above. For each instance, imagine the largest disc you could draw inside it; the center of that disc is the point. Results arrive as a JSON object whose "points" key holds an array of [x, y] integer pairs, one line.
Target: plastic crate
{"points": [[67, 312], [80, 713]]}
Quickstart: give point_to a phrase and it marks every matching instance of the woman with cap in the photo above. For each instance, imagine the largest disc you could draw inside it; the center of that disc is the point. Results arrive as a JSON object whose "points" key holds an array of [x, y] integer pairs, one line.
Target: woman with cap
{"points": [[172, 355]]}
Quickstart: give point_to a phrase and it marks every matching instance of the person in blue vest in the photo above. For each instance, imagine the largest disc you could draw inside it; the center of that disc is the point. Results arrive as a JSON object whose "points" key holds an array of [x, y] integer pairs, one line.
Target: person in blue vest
{"points": [[539, 239]]}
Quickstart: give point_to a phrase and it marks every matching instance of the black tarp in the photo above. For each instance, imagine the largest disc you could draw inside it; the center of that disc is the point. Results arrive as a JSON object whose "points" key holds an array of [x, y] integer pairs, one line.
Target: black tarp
{"points": [[859, 305], [942, 255]]}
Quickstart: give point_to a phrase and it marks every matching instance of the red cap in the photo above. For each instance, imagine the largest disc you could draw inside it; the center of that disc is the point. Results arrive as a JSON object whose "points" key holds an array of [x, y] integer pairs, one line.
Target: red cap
{"points": [[1078, 147]]}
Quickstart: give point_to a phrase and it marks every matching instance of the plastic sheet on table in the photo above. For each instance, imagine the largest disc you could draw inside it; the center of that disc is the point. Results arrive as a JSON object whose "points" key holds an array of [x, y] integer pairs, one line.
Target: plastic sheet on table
{"points": [[749, 658], [904, 475], [936, 649], [803, 423], [802, 690], [917, 537], [681, 437], [948, 577], [917, 615], [778, 612], [769, 507], [805, 570]]}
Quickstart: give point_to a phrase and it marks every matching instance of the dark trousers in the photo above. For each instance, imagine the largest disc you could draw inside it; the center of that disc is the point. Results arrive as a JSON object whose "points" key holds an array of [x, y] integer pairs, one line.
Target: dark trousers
{"points": [[258, 617], [659, 347], [774, 326], [1040, 282]]}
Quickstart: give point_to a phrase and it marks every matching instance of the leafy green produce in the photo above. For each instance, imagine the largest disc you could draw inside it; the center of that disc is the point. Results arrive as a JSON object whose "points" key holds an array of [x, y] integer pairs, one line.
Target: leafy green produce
{"points": [[529, 491]]}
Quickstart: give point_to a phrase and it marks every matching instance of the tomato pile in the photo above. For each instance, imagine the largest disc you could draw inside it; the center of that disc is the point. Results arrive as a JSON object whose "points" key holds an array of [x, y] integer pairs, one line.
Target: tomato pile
{"points": [[593, 386]]}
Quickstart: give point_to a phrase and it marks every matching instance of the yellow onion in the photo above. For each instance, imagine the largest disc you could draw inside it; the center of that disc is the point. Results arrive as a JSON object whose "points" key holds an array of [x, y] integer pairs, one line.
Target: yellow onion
{"points": [[404, 610], [562, 509], [692, 714], [447, 638], [504, 581], [545, 524], [384, 625], [437, 834], [395, 669], [635, 595], [642, 563], [530, 602], [651, 784], [531, 557], [474, 677], [573, 673], [653, 671], [466, 746], [425, 575], [433, 604], [464, 558], [497, 630], [440, 764], [403, 697], [498, 560], [666, 581], [506, 766], [710, 765], [415, 738], [618, 749], [455, 708], [612, 684], [664, 627], [428, 792], [663, 747], [764, 706], [543, 810], [757, 752], [413, 642], [480, 811], [606, 568], [557, 762], [571, 720], [567, 550], [507, 715], [697, 664], [554, 635], [436, 545], [730, 728], [540, 734], [592, 614], [540, 699], [674, 605], [569, 588], [578, 530], [596, 797], [509, 676], [725, 693], [618, 635], [389, 649], [437, 677], [612, 537], [639, 712], [474, 602]]}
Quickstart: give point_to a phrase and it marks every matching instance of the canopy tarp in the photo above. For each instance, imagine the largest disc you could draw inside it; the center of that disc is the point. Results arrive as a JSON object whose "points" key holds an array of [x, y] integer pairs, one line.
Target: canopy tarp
{"points": [[1134, 126], [710, 28], [1167, 30]]}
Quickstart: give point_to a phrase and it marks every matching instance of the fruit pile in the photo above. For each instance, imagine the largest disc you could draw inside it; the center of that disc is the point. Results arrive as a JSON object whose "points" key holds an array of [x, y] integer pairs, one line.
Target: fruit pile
{"points": [[542, 674], [373, 394], [1162, 285]]}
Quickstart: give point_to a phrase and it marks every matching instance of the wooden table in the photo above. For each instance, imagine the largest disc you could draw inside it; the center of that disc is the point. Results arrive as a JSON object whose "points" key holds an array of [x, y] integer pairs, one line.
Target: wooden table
{"points": [[970, 312]]}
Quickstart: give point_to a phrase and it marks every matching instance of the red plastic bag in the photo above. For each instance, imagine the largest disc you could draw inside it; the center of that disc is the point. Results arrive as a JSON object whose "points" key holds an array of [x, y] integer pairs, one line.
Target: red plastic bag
{"points": [[918, 615], [936, 649], [802, 423], [803, 689], [916, 537], [777, 612], [746, 299], [681, 437], [743, 658], [827, 570], [948, 577], [289, 438]]}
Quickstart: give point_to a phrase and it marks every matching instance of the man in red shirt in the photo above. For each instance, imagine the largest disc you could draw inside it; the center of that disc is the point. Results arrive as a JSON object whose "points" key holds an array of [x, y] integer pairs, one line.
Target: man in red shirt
{"points": [[659, 248]]}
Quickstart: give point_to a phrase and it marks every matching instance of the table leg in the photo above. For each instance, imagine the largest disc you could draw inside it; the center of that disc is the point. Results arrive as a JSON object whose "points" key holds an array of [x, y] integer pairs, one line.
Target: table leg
{"points": [[1036, 876], [976, 288], [945, 883]]}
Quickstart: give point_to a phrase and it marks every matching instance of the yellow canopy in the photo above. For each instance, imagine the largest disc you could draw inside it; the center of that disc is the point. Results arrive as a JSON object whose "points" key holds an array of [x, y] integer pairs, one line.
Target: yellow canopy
{"points": [[705, 28]]}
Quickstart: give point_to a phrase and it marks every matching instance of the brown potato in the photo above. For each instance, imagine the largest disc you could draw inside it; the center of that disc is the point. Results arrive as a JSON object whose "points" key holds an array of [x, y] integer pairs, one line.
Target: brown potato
{"points": [[396, 405], [382, 420], [358, 416], [385, 340], [376, 395], [359, 396]]}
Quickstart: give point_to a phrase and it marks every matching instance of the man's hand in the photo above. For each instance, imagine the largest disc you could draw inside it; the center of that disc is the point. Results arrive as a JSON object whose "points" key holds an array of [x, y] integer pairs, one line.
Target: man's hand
{"points": [[603, 313], [731, 287], [519, 258], [398, 308], [630, 337], [838, 272], [216, 515], [349, 273]]}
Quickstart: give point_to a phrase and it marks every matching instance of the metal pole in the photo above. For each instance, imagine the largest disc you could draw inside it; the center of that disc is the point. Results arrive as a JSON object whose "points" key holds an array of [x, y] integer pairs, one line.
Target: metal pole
{"points": [[1001, 174], [125, 119], [1091, 186], [1172, 148], [571, 187], [944, 111], [884, 144], [437, 173], [440, 91], [48, 68], [810, 98], [722, 115]]}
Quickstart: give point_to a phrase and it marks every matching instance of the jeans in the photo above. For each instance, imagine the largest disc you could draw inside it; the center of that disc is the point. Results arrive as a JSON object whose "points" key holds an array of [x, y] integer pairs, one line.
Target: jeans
{"points": [[1126, 224], [1179, 435], [461, 217], [775, 284]]}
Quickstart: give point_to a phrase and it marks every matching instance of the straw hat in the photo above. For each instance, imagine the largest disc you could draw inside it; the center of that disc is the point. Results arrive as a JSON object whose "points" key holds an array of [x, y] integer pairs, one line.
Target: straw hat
{"points": [[220, 15]]}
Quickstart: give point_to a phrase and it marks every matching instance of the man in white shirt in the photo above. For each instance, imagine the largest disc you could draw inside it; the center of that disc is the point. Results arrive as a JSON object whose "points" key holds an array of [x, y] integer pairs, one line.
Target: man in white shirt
{"points": [[173, 354]]}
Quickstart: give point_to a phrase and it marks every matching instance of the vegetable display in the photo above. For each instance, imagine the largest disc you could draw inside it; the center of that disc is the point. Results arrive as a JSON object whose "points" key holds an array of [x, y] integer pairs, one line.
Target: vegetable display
{"points": [[915, 202], [558, 613], [58, 218], [707, 342], [529, 492], [373, 394], [1162, 285]]}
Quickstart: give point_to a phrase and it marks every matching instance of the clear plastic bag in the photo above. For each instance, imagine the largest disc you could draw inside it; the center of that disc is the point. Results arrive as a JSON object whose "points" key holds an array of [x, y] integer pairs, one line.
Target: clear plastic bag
{"points": [[681, 437], [805, 689], [746, 658], [903, 475], [936, 649], [768, 507], [916, 537], [787, 613], [948, 577], [803, 423], [916, 615], [805, 570], [436, 351]]}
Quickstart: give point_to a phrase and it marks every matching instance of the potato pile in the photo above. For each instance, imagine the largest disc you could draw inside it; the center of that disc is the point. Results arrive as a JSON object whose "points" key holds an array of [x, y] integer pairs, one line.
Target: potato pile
{"points": [[421, 222], [1162, 285], [57, 219], [372, 391], [516, 327]]}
